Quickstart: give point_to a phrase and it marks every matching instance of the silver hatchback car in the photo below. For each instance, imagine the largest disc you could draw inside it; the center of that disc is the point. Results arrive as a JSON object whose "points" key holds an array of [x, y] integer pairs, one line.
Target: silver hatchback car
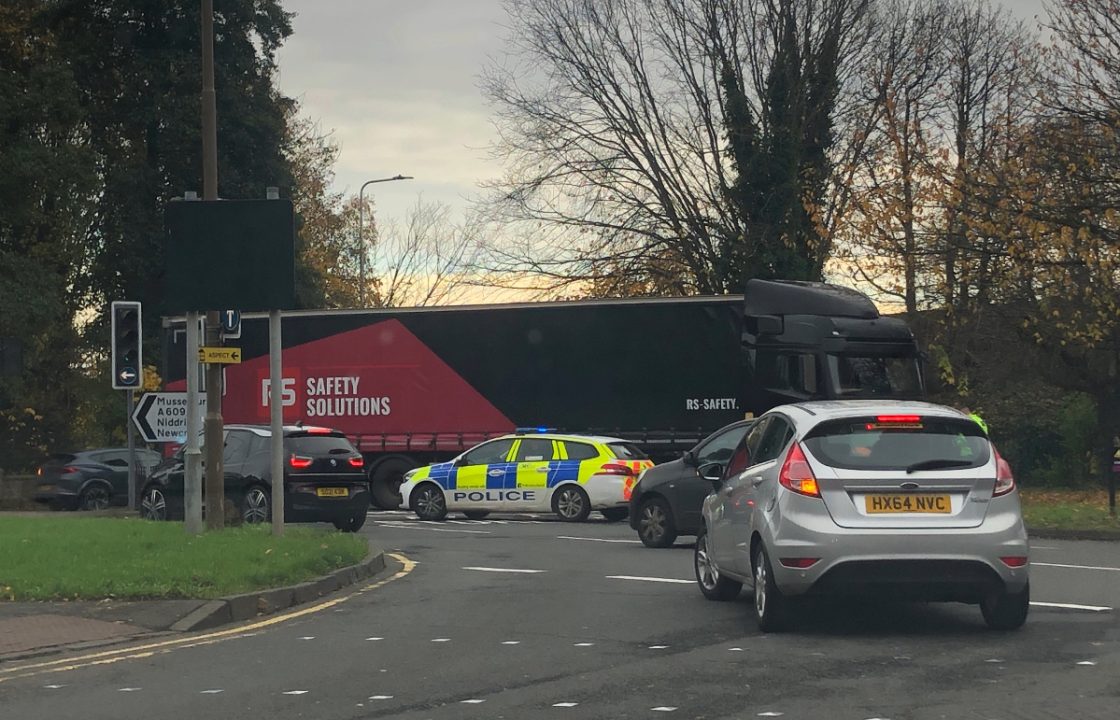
{"points": [[893, 499]]}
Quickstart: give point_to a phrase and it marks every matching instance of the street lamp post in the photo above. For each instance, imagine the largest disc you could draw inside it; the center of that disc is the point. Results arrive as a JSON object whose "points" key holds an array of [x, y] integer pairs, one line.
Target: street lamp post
{"points": [[361, 225]]}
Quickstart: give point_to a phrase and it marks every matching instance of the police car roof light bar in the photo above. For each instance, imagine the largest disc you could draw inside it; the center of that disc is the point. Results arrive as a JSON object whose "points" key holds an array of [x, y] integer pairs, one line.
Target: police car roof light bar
{"points": [[528, 430]]}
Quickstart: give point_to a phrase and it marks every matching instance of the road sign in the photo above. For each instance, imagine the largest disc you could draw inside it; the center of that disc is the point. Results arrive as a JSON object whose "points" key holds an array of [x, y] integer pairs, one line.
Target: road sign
{"points": [[231, 323], [162, 416], [219, 355]]}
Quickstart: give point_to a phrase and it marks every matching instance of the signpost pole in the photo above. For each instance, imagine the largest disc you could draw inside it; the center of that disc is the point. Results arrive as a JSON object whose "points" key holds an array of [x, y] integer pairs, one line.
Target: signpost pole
{"points": [[192, 456], [276, 409], [131, 450]]}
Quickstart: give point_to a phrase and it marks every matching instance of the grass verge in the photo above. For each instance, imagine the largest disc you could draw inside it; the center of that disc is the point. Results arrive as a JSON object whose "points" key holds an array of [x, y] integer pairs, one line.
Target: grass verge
{"points": [[1067, 510], [89, 558]]}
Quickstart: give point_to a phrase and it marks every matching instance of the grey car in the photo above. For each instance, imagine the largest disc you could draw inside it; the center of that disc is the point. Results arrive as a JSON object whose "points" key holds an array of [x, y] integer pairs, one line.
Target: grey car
{"points": [[901, 500]]}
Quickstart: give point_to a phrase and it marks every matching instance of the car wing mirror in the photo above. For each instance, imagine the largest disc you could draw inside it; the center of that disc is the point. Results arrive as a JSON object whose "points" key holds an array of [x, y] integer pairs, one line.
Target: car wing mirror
{"points": [[712, 472]]}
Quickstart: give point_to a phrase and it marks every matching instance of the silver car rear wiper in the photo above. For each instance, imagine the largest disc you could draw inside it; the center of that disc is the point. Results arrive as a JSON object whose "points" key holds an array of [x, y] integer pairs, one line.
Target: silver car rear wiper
{"points": [[938, 464]]}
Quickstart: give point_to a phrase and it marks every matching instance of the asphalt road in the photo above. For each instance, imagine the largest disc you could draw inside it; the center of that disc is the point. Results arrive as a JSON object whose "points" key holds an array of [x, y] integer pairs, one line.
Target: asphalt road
{"points": [[517, 618]]}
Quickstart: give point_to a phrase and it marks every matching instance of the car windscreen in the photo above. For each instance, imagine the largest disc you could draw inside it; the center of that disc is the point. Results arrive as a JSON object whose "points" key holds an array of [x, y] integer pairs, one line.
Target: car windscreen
{"points": [[874, 375], [319, 445], [908, 443], [626, 451]]}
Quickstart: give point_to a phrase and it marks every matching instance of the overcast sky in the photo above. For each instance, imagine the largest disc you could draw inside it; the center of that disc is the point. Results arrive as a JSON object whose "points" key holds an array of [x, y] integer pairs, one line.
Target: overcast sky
{"points": [[397, 83]]}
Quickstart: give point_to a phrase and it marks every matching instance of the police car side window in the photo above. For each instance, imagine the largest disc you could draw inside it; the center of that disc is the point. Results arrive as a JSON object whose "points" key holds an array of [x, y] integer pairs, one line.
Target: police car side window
{"points": [[580, 451], [534, 450], [491, 452]]}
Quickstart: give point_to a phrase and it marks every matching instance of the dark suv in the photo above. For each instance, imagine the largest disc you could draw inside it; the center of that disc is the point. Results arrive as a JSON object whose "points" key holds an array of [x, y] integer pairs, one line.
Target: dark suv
{"points": [[324, 479], [90, 479], [668, 498]]}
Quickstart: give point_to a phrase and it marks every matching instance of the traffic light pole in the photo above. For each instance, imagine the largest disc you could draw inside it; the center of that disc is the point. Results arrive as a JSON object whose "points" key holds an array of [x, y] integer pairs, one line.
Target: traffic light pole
{"points": [[131, 450], [192, 455]]}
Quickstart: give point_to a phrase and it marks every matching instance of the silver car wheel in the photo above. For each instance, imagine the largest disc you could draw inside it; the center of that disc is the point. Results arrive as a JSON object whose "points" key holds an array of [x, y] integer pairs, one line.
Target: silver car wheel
{"points": [[256, 506], [153, 506], [570, 503], [652, 522], [760, 582], [709, 575]]}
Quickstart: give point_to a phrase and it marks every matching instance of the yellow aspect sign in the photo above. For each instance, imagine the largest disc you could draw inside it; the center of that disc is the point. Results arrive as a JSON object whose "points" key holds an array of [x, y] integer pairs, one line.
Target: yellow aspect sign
{"points": [[219, 355]]}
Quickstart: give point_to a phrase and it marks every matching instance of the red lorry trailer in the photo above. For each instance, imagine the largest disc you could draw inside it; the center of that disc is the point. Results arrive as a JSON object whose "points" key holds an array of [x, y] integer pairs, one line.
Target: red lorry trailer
{"points": [[412, 386]]}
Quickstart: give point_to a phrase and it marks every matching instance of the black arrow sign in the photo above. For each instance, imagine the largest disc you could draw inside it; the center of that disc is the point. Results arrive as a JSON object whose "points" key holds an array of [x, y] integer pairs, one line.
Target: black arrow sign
{"points": [[140, 417]]}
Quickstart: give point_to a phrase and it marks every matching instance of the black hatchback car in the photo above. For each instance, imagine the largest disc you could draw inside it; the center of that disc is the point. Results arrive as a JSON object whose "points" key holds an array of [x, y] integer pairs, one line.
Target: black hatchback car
{"points": [[90, 479], [324, 480], [668, 498]]}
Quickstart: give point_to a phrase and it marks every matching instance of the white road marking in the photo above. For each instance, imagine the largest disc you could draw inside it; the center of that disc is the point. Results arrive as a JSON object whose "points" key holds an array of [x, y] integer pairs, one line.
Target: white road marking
{"points": [[511, 642], [572, 537], [735, 649], [993, 660], [565, 704], [295, 692], [375, 638], [663, 708], [504, 570], [441, 639], [308, 637], [380, 697], [770, 713], [658, 647], [129, 690], [53, 687], [210, 692], [583, 644], [1044, 547], [1086, 662], [1072, 606], [472, 701], [1077, 567], [651, 579], [406, 526]]}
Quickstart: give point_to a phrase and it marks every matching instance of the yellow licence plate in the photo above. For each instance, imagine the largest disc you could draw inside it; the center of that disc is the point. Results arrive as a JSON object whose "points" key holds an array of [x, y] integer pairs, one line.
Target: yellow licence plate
{"points": [[332, 492], [876, 504]]}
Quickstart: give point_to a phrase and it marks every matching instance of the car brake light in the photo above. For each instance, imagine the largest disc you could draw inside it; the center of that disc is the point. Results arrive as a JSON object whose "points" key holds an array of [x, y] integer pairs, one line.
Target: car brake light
{"points": [[300, 462], [796, 475], [1005, 481], [1014, 561], [899, 418], [616, 469], [317, 430], [357, 461], [798, 562], [69, 469]]}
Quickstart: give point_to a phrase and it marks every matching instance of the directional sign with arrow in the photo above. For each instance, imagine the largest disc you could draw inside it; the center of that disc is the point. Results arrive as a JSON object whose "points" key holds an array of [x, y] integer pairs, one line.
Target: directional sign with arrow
{"points": [[224, 355], [162, 416]]}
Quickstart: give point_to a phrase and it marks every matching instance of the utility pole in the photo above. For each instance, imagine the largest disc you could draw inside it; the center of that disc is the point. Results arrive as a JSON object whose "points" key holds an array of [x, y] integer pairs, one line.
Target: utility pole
{"points": [[215, 490]]}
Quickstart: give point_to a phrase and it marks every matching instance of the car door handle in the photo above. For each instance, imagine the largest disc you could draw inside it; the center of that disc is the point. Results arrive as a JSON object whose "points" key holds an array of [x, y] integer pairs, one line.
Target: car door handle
{"points": [[496, 473], [542, 469]]}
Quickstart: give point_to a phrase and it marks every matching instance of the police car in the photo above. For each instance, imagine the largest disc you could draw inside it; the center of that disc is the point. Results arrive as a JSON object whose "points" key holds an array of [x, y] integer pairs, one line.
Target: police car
{"points": [[530, 471]]}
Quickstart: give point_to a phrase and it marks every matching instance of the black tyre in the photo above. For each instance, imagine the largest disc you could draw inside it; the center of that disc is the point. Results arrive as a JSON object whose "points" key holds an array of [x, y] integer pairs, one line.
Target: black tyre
{"points": [[428, 502], [712, 584], [351, 524], [770, 606], [95, 496], [153, 503], [1006, 611], [385, 483], [476, 514], [615, 514], [571, 504], [656, 528], [256, 506]]}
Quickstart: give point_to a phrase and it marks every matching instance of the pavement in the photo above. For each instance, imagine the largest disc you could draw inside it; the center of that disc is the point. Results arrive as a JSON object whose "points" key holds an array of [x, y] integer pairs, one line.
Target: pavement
{"points": [[33, 629]]}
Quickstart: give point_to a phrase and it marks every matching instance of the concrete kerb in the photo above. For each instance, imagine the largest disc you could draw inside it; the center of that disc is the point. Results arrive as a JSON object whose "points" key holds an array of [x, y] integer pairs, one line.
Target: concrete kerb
{"points": [[247, 606]]}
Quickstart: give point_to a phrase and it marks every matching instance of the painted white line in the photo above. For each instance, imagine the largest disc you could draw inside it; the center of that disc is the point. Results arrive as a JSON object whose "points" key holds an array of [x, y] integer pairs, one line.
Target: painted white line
{"points": [[663, 708], [1072, 606], [472, 701], [1044, 547], [770, 713], [308, 637], [375, 638], [993, 660], [380, 697], [295, 692], [53, 687], [210, 692], [511, 642], [441, 639], [658, 647], [651, 579], [583, 644], [504, 570], [1086, 662], [404, 526], [735, 649], [567, 704], [1077, 567], [572, 537], [129, 690]]}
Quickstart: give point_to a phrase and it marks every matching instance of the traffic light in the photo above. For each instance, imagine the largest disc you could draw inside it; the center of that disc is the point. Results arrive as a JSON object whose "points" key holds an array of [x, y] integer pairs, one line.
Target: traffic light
{"points": [[128, 370]]}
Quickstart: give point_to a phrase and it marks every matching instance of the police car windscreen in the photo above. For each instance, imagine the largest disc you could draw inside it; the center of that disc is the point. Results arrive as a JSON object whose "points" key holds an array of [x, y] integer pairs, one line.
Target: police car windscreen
{"points": [[319, 445], [626, 451]]}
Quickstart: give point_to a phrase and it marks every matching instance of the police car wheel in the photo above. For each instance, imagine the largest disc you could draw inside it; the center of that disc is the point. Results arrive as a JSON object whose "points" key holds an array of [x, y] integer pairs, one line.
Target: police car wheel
{"points": [[429, 503], [571, 503], [475, 514]]}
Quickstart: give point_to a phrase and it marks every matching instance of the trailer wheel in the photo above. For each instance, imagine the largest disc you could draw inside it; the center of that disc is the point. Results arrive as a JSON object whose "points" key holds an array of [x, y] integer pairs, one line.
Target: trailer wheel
{"points": [[385, 482]]}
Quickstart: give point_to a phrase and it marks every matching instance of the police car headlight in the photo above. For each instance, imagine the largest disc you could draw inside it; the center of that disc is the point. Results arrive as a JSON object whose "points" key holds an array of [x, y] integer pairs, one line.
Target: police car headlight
{"points": [[408, 475]]}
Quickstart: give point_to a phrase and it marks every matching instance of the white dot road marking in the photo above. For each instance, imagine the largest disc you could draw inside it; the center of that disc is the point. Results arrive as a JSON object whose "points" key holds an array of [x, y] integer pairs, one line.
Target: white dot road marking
{"points": [[770, 713], [565, 704], [375, 638], [1076, 567], [295, 692], [1086, 662], [380, 697], [572, 537], [1072, 606], [210, 692], [53, 687], [658, 647], [993, 660], [663, 708], [129, 690], [441, 639], [651, 579], [583, 644], [472, 701], [511, 642], [406, 526], [734, 649], [504, 570], [308, 637]]}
